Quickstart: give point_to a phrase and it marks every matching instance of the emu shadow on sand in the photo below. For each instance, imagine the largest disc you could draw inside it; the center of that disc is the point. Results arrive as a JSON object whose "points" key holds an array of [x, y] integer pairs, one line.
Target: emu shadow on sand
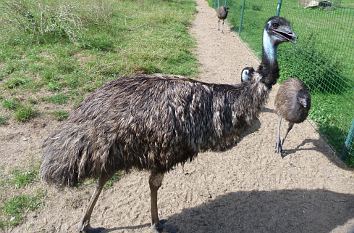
{"points": [[154, 122]]}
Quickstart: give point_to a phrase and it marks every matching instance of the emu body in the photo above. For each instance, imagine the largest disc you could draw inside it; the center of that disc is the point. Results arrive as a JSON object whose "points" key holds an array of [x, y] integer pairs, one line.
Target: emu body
{"points": [[292, 103], [221, 13], [153, 122]]}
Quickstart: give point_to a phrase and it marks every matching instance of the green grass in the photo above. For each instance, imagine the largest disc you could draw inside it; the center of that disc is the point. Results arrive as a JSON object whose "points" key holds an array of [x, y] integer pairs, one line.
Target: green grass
{"points": [[21, 179], [3, 120], [14, 209], [322, 58], [109, 39], [60, 115], [25, 113]]}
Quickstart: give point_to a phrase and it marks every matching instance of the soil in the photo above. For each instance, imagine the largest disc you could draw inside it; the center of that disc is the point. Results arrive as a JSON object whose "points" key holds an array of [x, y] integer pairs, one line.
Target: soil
{"points": [[249, 188]]}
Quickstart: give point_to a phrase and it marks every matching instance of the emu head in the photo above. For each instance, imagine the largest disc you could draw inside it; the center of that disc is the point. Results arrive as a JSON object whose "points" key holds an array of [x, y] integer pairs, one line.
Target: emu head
{"points": [[278, 30], [246, 74], [303, 99]]}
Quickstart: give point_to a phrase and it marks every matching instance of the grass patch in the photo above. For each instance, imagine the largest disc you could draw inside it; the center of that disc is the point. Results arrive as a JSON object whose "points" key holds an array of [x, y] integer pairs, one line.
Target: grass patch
{"points": [[15, 208], [116, 177], [10, 104], [58, 99], [21, 179], [25, 113], [3, 120], [93, 43], [60, 115]]}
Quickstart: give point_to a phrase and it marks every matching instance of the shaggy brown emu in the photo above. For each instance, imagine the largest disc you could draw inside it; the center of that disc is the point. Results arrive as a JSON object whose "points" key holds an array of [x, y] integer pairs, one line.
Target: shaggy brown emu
{"points": [[221, 13], [292, 102], [154, 122]]}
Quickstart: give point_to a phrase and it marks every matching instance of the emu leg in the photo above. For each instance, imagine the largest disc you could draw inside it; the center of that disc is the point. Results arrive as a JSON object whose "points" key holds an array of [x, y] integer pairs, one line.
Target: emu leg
{"points": [[278, 144], [290, 126], [84, 225], [218, 24], [155, 182], [222, 30]]}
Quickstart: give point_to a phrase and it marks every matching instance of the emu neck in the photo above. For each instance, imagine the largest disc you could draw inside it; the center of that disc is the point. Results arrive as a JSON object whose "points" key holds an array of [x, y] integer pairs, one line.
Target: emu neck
{"points": [[268, 68]]}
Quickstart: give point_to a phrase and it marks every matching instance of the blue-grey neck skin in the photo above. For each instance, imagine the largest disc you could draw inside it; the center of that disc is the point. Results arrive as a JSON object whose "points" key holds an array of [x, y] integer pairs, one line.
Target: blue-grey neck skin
{"points": [[269, 48], [268, 68]]}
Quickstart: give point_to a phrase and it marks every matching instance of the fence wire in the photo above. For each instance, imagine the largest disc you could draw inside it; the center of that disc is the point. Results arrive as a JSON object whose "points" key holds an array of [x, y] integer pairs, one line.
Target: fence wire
{"points": [[323, 57]]}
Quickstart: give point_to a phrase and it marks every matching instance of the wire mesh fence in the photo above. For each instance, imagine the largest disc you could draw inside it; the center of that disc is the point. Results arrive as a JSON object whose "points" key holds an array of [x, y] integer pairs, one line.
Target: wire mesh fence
{"points": [[323, 57]]}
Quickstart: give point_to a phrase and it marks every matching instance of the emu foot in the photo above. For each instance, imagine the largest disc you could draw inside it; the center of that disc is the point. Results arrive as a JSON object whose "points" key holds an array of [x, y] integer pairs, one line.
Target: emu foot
{"points": [[89, 229], [278, 146], [162, 227]]}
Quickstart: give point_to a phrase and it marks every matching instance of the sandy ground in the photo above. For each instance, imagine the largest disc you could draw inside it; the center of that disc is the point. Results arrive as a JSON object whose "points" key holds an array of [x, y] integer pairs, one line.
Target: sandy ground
{"points": [[246, 189]]}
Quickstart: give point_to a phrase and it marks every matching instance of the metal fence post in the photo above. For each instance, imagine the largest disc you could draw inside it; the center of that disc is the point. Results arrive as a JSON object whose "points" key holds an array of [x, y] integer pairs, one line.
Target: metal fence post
{"points": [[241, 18], [278, 7], [348, 141]]}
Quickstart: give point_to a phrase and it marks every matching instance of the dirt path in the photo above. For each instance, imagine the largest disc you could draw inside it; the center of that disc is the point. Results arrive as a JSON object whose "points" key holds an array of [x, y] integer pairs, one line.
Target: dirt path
{"points": [[246, 189]]}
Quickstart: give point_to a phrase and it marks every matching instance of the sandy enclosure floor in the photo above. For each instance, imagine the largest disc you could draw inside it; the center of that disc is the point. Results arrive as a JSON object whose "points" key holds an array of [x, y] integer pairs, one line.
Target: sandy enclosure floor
{"points": [[246, 189]]}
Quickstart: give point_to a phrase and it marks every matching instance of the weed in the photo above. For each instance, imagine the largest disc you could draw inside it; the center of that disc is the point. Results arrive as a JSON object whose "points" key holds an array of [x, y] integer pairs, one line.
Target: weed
{"points": [[25, 113], [22, 178], [60, 115], [16, 207], [58, 99], [3, 120], [116, 177], [10, 104], [16, 82]]}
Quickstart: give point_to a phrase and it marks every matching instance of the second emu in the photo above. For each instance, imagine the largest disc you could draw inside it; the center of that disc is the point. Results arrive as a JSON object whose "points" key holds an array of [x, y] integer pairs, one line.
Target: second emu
{"points": [[154, 122]]}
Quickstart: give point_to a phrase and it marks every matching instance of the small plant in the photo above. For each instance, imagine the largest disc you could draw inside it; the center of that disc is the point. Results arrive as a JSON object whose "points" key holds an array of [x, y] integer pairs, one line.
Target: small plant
{"points": [[58, 99], [16, 82], [10, 104], [116, 177], [23, 178], [16, 207], [3, 120], [60, 115], [25, 113]]}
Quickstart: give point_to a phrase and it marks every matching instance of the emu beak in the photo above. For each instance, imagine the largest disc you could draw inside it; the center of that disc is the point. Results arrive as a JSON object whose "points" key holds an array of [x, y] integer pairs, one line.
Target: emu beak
{"points": [[285, 33]]}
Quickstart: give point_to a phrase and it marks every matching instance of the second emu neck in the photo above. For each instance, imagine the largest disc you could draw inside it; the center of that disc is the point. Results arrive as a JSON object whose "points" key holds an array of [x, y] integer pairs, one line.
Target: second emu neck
{"points": [[268, 68]]}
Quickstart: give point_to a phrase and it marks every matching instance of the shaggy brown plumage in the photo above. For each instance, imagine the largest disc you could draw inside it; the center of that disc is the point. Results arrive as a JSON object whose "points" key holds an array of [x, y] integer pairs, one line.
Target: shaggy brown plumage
{"points": [[155, 122], [148, 122]]}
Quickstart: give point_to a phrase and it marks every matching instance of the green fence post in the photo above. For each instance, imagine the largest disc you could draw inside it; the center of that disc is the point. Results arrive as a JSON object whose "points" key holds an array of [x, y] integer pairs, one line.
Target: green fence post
{"points": [[242, 13], [348, 141], [278, 7]]}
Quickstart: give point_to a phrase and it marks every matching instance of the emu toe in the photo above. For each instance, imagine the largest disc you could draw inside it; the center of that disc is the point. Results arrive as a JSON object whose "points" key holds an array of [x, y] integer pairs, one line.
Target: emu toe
{"points": [[162, 227], [89, 229]]}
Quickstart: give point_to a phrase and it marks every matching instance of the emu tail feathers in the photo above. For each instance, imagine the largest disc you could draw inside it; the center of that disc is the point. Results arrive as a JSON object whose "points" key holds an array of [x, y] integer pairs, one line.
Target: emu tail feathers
{"points": [[69, 156]]}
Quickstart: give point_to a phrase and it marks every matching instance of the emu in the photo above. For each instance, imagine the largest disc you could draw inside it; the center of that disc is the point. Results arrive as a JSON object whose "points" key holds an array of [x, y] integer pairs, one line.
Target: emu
{"points": [[247, 73], [154, 122], [292, 103], [221, 13]]}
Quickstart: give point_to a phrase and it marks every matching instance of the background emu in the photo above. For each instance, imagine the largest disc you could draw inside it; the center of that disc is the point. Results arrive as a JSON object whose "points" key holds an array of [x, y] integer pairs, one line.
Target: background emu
{"points": [[292, 102], [222, 12], [154, 122]]}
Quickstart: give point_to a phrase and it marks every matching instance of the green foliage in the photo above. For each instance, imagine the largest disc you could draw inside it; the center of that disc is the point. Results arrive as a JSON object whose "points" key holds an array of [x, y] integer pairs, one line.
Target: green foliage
{"points": [[25, 113], [3, 120], [16, 82], [16, 207], [58, 99], [116, 177], [22, 178], [10, 104], [60, 115]]}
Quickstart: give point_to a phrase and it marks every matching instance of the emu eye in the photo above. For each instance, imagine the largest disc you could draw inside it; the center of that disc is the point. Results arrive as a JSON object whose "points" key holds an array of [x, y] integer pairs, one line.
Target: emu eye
{"points": [[275, 25]]}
